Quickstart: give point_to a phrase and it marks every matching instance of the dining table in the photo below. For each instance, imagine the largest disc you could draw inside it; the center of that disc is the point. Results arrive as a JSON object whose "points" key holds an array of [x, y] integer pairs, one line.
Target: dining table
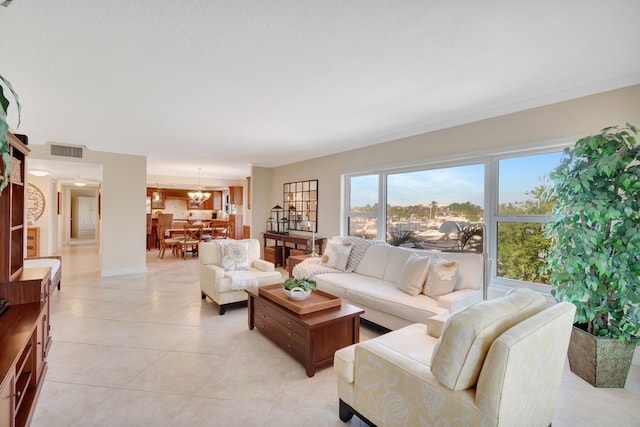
{"points": [[217, 228]]}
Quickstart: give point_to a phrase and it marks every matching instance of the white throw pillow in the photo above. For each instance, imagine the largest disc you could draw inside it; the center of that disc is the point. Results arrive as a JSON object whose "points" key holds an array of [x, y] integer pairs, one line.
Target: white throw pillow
{"points": [[234, 255], [336, 255], [441, 278], [414, 273]]}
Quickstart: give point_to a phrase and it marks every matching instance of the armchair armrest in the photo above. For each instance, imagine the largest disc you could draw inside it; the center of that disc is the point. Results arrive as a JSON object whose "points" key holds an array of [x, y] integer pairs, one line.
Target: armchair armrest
{"points": [[457, 300], [210, 273], [262, 265]]}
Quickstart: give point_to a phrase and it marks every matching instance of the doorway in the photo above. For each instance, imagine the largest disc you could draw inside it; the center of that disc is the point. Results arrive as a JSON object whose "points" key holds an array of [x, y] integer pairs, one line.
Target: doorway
{"points": [[83, 216]]}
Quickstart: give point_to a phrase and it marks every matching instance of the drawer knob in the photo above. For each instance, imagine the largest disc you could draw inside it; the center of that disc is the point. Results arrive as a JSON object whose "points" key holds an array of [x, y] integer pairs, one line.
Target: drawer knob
{"points": [[290, 334], [18, 394], [289, 322]]}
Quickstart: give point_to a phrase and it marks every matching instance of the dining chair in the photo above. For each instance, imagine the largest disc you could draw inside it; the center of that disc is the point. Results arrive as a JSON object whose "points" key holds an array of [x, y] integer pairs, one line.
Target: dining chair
{"points": [[191, 239], [167, 242], [149, 231], [222, 231]]}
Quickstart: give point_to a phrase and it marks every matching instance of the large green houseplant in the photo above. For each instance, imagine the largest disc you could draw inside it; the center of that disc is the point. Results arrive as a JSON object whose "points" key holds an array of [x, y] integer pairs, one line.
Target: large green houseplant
{"points": [[4, 126], [594, 257]]}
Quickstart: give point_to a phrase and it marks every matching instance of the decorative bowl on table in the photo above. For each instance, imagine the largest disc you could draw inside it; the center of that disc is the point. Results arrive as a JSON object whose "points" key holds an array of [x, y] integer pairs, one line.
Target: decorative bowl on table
{"points": [[297, 293], [298, 289]]}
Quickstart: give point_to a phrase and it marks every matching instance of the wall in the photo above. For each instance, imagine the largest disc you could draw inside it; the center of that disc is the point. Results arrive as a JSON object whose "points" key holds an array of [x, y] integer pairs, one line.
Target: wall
{"points": [[546, 125], [45, 222], [123, 195]]}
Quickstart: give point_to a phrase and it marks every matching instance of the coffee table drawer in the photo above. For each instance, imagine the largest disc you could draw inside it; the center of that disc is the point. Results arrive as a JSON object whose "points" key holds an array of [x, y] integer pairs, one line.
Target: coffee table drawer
{"points": [[296, 327], [287, 343]]}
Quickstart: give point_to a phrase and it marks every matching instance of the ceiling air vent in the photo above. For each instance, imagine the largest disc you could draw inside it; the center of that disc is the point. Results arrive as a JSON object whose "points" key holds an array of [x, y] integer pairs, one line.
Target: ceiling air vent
{"points": [[66, 151]]}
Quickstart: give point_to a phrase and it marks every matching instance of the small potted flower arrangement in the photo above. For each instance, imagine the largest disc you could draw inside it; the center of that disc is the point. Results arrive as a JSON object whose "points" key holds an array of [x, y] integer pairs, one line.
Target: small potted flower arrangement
{"points": [[299, 288]]}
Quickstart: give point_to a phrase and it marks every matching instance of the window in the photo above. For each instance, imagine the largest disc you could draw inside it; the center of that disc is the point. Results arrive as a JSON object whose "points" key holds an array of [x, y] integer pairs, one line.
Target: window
{"points": [[521, 214], [410, 208], [363, 206], [420, 201]]}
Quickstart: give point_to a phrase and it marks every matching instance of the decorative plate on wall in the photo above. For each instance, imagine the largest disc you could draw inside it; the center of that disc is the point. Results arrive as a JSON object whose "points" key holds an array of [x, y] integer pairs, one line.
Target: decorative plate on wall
{"points": [[35, 203]]}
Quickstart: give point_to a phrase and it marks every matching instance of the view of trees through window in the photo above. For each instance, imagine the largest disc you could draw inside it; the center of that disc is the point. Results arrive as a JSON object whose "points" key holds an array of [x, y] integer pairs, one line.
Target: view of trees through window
{"points": [[443, 209]]}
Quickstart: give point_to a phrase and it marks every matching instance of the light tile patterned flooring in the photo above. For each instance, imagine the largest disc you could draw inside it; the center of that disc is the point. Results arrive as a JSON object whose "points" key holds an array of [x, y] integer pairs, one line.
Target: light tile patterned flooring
{"points": [[143, 349]]}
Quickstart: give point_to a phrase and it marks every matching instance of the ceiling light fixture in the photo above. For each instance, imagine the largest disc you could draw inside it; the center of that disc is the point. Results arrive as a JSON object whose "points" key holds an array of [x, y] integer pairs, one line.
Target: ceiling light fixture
{"points": [[79, 183], [38, 172], [198, 196]]}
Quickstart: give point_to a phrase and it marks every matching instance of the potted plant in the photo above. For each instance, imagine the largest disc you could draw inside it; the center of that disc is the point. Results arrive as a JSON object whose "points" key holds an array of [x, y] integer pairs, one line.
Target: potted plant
{"points": [[299, 288], [4, 126], [594, 257]]}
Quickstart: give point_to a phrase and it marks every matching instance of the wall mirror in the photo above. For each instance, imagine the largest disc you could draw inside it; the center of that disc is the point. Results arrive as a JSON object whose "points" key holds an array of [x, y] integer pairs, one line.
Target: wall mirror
{"points": [[300, 203]]}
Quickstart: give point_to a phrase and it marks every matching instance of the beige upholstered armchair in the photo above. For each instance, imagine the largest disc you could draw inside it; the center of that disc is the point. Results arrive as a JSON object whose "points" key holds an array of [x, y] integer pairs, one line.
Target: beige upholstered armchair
{"points": [[228, 267], [497, 363]]}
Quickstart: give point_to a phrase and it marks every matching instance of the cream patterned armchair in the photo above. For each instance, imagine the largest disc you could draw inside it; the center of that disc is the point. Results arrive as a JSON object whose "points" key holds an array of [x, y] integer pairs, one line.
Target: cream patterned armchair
{"points": [[228, 267], [497, 363]]}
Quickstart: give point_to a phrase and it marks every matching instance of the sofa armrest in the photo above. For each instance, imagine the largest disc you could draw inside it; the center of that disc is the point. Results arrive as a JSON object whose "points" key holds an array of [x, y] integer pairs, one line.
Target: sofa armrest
{"points": [[210, 273], [262, 265], [457, 300], [435, 324]]}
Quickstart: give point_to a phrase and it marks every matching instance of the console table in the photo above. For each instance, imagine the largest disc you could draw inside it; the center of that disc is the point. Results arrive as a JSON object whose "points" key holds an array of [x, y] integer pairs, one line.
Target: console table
{"points": [[281, 241]]}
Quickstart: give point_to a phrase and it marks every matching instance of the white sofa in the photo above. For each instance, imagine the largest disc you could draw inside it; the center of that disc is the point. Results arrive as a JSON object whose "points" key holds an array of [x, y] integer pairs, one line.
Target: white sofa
{"points": [[497, 363], [373, 283], [216, 282]]}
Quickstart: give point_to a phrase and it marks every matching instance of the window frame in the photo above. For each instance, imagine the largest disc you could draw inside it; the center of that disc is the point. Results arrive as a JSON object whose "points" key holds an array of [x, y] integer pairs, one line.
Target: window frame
{"points": [[491, 218]]}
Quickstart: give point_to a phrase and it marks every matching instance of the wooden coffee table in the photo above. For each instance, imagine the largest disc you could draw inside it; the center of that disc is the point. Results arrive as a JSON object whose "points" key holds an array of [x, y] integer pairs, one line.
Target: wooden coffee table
{"points": [[310, 338]]}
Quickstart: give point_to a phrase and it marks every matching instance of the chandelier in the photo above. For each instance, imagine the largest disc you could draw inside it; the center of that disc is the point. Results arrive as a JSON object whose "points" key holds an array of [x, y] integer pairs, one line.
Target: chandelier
{"points": [[198, 196]]}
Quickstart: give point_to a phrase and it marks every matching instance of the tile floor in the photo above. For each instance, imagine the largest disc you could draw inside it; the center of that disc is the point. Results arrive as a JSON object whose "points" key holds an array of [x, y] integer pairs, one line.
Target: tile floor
{"points": [[143, 349]]}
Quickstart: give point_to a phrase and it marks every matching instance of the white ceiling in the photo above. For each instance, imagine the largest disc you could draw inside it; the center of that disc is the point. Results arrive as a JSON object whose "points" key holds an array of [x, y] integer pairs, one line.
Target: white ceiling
{"points": [[224, 84]]}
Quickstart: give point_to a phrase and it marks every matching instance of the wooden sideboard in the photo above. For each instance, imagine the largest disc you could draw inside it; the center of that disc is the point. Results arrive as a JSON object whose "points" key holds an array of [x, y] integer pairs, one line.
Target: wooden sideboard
{"points": [[283, 242], [25, 340]]}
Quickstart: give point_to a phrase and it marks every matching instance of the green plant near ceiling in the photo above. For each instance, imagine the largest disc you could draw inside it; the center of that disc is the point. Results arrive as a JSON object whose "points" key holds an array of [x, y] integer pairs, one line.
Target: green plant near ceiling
{"points": [[594, 257], [4, 126]]}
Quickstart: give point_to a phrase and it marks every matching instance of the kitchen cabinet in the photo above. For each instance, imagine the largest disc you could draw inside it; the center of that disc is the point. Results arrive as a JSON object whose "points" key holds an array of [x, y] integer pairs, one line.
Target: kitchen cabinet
{"points": [[235, 195]]}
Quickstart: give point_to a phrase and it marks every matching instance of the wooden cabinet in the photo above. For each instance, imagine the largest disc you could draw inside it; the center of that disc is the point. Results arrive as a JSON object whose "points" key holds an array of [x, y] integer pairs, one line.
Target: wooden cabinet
{"points": [[157, 198], [235, 195], [24, 328], [33, 241], [216, 197], [12, 206], [236, 226], [25, 341]]}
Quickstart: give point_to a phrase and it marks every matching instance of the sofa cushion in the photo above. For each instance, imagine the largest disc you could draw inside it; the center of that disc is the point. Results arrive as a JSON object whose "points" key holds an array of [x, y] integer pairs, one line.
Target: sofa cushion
{"points": [[385, 297], [468, 334], [374, 261], [441, 278], [359, 247], [396, 257], [336, 255], [413, 274]]}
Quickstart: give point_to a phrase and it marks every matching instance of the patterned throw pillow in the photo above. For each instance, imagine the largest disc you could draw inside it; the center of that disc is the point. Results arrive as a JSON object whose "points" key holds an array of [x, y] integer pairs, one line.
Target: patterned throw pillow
{"points": [[336, 255], [234, 255], [359, 247], [441, 278]]}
